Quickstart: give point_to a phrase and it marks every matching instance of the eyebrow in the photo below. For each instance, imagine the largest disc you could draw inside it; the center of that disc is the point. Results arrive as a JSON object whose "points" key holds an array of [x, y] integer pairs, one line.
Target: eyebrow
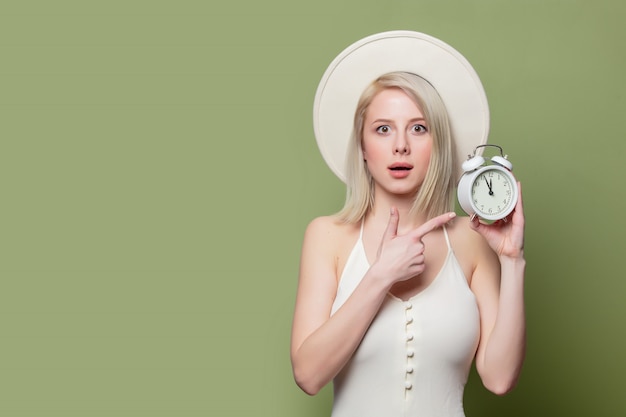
{"points": [[383, 120]]}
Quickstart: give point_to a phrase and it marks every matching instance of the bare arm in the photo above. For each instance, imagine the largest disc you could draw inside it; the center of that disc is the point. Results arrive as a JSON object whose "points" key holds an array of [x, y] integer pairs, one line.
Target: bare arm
{"points": [[321, 345], [498, 282]]}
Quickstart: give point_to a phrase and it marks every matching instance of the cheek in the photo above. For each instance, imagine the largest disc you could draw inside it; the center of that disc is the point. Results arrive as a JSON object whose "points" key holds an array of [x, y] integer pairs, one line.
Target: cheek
{"points": [[425, 150], [372, 149], [370, 153], [366, 151]]}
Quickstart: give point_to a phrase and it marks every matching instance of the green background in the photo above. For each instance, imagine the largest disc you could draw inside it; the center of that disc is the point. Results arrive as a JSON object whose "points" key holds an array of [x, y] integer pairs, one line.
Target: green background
{"points": [[158, 168]]}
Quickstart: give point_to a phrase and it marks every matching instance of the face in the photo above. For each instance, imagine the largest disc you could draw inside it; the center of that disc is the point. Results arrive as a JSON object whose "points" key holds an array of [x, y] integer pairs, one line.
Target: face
{"points": [[397, 142]]}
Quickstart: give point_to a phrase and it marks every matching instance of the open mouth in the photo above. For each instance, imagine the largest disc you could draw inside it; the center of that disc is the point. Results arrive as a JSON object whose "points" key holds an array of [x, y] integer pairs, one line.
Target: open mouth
{"points": [[401, 167]]}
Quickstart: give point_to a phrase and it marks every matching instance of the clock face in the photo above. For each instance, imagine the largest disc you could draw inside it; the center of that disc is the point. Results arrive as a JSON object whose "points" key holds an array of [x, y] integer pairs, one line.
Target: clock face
{"points": [[493, 193]]}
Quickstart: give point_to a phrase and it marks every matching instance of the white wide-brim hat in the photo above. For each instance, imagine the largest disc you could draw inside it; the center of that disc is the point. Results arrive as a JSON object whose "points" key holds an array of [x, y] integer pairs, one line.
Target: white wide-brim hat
{"points": [[357, 66]]}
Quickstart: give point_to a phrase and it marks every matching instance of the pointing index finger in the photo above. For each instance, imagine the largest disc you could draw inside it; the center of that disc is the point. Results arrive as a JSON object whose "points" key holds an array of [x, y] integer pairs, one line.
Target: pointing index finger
{"points": [[433, 224]]}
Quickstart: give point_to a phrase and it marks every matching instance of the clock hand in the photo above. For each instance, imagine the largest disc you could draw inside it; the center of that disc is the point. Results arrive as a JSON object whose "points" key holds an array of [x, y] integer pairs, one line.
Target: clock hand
{"points": [[490, 189], [488, 185]]}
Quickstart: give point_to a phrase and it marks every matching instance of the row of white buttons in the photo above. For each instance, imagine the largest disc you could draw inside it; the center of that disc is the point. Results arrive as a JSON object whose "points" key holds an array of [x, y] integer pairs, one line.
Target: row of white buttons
{"points": [[410, 352]]}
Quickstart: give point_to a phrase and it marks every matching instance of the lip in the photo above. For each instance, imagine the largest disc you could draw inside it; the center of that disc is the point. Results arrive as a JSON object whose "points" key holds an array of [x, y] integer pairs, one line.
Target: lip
{"points": [[400, 169]]}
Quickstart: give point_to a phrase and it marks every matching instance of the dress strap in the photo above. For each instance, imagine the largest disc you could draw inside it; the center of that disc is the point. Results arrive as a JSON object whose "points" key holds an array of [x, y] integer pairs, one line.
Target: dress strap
{"points": [[361, 232], [445, 233]]}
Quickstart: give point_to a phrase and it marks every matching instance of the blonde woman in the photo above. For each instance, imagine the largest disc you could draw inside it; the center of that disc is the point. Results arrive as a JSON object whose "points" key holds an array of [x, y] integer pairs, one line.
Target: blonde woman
{"points": [[397, 296]]}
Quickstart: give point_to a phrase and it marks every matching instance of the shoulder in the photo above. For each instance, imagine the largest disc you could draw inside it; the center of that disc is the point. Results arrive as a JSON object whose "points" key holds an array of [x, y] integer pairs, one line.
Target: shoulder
{"points": [[328, 227], [470, 248], [463, 236], [328, 239], [325, 224]]}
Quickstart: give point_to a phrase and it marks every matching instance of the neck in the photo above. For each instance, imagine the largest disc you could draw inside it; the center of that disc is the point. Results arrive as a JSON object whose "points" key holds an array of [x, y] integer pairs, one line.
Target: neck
{"points": [[407, 221]]}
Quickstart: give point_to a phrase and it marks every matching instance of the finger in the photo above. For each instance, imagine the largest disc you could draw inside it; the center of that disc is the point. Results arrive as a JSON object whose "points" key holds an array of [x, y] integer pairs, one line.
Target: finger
{"points": [[433, 224], [475, 222], [419, 260], [392, 226], [519, 207]]}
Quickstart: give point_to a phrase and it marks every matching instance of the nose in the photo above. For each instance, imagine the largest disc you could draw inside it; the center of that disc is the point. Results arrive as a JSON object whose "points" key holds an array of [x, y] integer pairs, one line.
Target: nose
{"points": [[401, 146]]}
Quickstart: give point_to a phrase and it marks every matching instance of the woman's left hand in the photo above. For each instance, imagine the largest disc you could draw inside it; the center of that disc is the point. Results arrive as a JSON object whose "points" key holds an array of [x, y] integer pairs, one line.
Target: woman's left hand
{"points": [[506, 236]]}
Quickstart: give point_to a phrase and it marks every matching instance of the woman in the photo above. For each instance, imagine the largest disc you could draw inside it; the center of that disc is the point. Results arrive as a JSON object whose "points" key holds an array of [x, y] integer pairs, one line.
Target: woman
{"points": [[396, 296]]}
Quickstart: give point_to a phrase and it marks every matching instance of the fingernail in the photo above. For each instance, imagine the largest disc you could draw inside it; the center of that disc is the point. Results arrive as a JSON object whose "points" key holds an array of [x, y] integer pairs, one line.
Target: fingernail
{"points": [[452, 215]]}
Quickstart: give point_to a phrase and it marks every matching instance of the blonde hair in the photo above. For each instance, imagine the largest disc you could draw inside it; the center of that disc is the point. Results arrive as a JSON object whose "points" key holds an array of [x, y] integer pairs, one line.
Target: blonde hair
{"points": [[435, 194]]}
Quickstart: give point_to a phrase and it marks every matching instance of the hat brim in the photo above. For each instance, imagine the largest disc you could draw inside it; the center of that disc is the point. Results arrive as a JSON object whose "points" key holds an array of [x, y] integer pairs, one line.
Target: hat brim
{"points": [[358, 65]]}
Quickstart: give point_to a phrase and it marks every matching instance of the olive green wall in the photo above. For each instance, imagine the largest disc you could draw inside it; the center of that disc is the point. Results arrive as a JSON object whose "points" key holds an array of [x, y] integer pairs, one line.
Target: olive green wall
{"points": [[158, 168]]}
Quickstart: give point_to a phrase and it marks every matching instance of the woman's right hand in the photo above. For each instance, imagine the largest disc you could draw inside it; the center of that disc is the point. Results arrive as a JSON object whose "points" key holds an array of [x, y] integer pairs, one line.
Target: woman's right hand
{"points": [[401, 257]]}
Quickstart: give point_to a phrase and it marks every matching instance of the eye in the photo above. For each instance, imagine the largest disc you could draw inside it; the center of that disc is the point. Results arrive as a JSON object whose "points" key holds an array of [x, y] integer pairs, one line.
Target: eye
{"points": [[418, 128], [384, 129]]}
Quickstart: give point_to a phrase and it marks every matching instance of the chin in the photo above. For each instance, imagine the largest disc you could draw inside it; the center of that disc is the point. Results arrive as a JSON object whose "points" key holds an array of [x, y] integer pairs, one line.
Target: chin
{"points": [[403, 191]]}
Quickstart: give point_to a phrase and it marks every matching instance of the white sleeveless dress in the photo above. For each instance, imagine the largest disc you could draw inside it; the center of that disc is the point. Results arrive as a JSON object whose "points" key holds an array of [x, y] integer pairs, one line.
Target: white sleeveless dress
{"points": [[416, 355]]}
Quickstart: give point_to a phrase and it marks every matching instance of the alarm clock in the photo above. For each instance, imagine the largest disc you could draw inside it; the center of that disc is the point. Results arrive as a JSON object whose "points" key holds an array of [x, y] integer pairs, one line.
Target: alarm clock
{"points": [[488, 191]]}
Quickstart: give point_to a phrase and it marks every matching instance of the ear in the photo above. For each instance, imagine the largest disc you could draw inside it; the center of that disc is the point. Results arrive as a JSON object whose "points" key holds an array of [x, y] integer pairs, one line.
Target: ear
{"points": [[364, 155]]}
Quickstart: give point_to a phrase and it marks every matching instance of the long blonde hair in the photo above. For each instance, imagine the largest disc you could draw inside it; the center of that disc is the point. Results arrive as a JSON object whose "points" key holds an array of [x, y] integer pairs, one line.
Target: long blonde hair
{"points": [[435, 194]]}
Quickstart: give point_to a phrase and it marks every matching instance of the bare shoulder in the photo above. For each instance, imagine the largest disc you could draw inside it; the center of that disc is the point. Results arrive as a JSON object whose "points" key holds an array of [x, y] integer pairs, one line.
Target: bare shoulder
{"points": [[470, 248], [330, 239], [327, 229], [324, 225], [462, 234]]}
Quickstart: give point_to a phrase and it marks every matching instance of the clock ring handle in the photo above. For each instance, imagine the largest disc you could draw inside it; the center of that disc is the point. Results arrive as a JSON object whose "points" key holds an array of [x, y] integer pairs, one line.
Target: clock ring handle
{"points": [[484, 146], [500, 160]]}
